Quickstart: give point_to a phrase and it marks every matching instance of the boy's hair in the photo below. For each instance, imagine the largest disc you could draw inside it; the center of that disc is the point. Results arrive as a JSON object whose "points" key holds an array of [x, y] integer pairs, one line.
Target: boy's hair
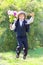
{"points": [[21, 12]]}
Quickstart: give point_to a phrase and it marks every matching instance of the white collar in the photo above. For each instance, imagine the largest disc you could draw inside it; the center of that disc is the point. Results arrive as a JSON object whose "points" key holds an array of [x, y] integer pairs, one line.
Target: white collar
{"points": [[21, 21]]}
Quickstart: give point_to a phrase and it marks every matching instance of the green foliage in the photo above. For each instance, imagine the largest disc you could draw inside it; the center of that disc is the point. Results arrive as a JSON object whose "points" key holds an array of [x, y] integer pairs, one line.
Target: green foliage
{"points": [[11, 19], [8, 37]]}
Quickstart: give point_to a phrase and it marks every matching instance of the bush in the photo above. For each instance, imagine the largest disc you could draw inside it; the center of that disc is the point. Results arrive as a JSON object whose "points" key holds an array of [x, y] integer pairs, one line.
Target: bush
{"points": [[7, 37]]}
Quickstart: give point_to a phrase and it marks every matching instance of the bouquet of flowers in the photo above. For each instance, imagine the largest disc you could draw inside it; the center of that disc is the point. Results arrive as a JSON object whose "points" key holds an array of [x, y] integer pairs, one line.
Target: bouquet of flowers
{"points": [[12, 15]]}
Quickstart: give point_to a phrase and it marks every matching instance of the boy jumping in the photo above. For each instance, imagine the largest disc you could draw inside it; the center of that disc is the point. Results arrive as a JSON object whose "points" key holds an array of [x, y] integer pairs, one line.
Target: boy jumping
{"points": [[20, 26]]}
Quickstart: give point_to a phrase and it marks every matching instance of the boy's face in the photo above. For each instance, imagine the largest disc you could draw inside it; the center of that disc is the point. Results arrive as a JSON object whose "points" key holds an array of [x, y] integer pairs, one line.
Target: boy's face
{"points": [[21, 16]]}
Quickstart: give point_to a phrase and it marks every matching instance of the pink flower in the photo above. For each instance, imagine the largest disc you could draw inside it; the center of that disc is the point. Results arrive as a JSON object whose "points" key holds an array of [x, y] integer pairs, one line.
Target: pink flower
{"points": [[15, 13], [10, 12]]}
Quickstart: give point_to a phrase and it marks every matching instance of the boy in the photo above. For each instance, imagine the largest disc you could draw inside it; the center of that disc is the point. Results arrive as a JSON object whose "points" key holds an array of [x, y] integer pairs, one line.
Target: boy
{"points": [[20, 27]]}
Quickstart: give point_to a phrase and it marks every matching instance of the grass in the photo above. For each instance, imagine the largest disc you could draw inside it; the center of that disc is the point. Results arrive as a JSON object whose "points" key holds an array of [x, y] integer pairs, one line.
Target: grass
{"points": [[34, 57]]}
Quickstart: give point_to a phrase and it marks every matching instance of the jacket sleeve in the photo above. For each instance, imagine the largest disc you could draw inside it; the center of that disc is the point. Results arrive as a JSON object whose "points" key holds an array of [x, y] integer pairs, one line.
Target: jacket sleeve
{"points": [[29, 21], [13, 26]]}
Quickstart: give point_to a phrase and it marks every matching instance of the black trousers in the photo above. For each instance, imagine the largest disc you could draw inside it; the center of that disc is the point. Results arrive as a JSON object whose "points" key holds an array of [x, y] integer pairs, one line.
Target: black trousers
{"points": [[22, 42]]}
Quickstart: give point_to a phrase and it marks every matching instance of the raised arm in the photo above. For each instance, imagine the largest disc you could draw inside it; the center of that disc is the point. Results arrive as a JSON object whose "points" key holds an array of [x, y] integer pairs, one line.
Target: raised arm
{"points": [[29, 21]]}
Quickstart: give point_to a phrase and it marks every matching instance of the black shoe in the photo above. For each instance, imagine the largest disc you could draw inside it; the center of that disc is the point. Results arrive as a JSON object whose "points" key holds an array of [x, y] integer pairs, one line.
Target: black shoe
{"points": [[24, 57], [17, 56]]}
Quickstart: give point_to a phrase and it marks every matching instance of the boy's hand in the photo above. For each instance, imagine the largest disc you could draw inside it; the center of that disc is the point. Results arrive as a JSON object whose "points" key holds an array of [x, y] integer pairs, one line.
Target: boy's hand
{"points": [[10, 26], [32, 14]]}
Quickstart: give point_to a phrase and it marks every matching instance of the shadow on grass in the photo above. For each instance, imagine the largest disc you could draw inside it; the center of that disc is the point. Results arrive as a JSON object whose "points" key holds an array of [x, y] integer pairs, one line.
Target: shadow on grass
{"points": [[38, 52]]}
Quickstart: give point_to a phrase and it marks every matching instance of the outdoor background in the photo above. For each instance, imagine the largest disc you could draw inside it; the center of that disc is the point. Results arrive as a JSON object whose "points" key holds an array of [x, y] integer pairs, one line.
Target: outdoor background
{"points": [[8, 40]]}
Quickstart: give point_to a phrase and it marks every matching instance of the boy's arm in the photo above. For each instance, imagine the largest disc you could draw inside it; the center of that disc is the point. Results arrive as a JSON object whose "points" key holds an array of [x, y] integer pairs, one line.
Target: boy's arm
{"points": [[12, 26], [29, 21]]}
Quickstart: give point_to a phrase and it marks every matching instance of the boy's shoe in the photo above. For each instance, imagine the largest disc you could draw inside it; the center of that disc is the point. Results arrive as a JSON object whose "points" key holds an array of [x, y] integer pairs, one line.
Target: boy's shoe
{"points": [[17, 56], [24, 57]]}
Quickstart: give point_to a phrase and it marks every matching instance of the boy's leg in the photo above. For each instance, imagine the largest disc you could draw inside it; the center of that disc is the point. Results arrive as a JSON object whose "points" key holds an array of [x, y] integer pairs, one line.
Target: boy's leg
{"points": [[25, 49], [18, 49]]}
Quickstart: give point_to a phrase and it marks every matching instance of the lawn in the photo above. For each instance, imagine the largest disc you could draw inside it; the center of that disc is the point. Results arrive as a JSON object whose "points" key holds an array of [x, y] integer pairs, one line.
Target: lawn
{"points": [[34, 57]]}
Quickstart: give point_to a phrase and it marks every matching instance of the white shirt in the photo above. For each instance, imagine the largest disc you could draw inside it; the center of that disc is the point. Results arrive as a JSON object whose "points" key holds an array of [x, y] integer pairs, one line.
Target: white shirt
{"points": [[21, 22], [29, 21]]}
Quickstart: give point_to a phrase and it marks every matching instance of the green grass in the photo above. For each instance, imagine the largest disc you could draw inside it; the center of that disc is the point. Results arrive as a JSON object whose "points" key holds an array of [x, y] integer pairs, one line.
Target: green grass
{"points": [[34, 57]]}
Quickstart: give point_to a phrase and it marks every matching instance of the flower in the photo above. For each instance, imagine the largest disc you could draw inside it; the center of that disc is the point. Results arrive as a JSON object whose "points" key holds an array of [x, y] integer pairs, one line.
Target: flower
{"points": [[10, 12], [15, 13], [12, 15]]}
